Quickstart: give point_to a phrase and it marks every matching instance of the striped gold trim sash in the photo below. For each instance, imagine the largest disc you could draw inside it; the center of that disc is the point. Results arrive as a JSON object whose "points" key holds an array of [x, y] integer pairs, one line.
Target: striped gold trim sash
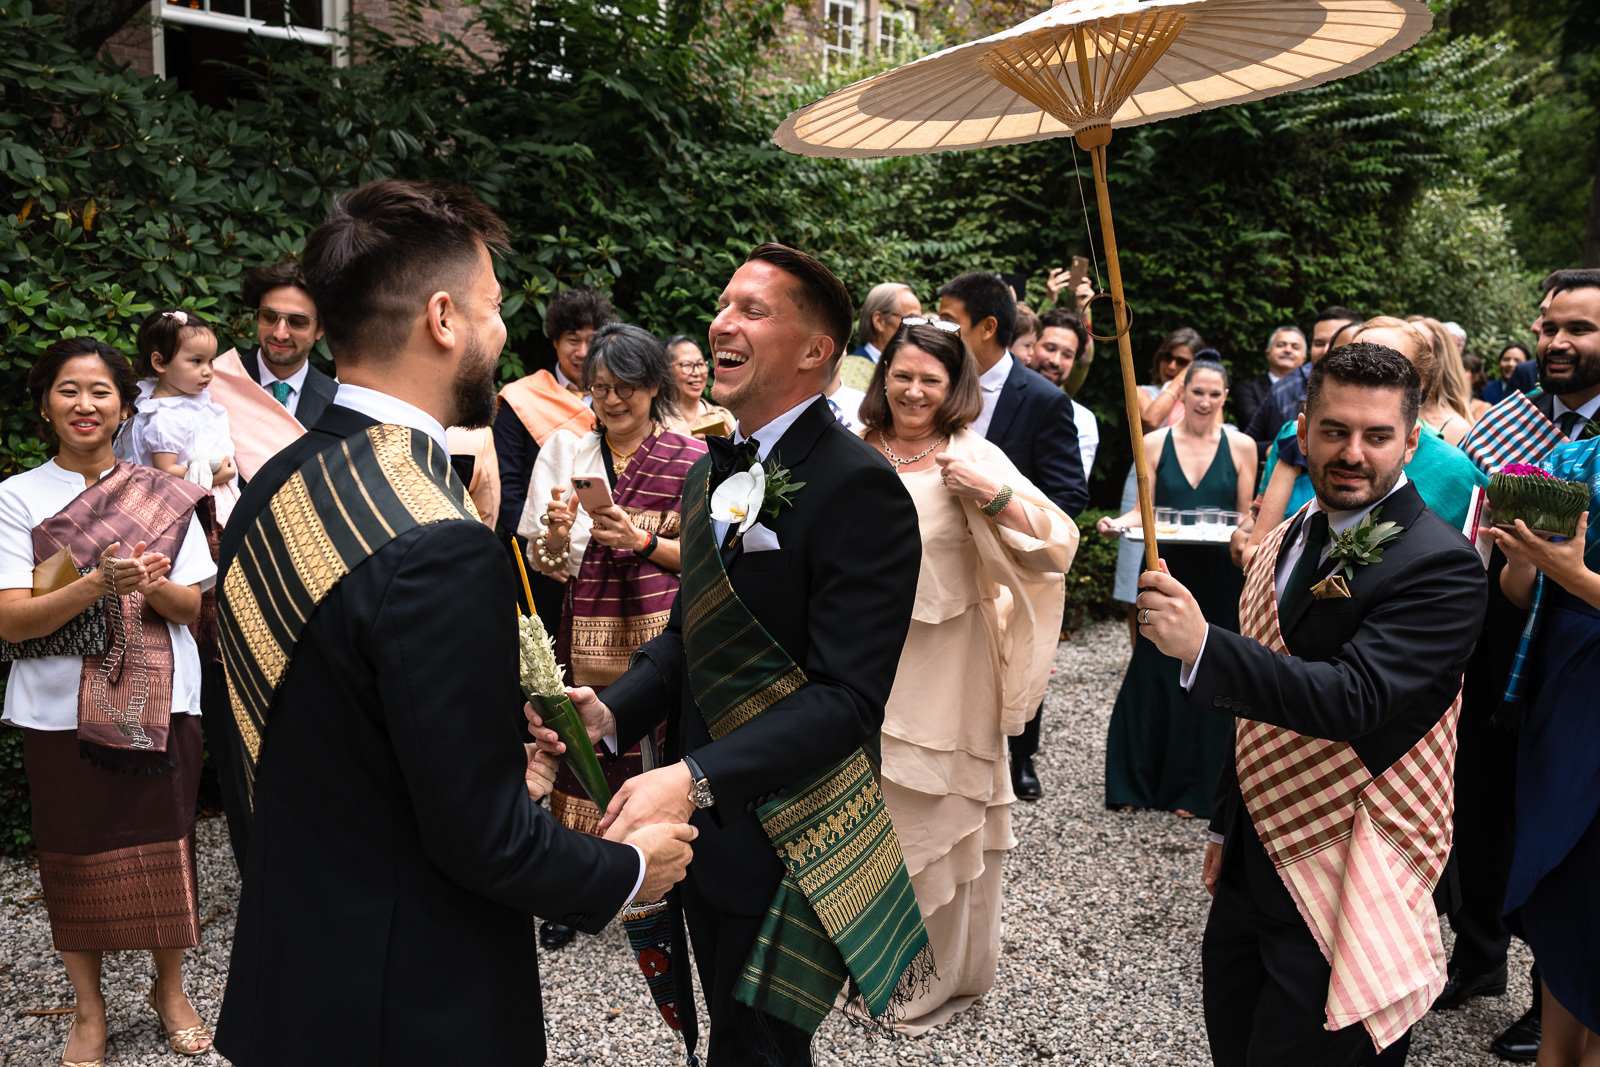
{"points": [[332, 514], [845, 907], [1359, 854]]}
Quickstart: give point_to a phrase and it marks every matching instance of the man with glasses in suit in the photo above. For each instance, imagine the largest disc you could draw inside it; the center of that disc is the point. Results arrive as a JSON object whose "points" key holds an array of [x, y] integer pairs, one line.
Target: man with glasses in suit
{"points": [[287, 327]]}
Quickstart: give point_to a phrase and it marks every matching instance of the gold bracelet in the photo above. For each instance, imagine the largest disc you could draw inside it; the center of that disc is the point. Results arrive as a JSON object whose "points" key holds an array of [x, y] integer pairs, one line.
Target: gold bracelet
{"points": [[1002, 497]]}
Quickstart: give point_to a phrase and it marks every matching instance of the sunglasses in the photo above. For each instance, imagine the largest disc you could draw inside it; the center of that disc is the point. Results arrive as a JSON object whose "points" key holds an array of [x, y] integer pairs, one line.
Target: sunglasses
{"points": [[600, 392], [298, 321], [938, 324]]}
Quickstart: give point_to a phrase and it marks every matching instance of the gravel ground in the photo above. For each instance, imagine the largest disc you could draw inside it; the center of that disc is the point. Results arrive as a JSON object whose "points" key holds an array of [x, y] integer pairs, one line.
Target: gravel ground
{"points": [[1101, 962]]}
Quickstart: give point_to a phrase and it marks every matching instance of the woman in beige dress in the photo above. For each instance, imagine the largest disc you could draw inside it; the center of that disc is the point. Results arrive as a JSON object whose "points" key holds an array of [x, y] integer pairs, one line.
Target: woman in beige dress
{"points": [[978, 655]]}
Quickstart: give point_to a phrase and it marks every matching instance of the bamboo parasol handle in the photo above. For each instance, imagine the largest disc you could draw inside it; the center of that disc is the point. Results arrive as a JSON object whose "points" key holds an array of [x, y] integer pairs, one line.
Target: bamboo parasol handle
{"points": [[1095, 139]]}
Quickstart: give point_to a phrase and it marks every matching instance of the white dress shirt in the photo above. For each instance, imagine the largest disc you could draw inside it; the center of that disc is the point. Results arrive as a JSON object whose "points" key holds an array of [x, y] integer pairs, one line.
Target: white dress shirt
{"points": [[872, 351], [990, 382], [1586, 410], [766, 437], [390, 409], [1088, 434], [573, 387], [297, 380]]}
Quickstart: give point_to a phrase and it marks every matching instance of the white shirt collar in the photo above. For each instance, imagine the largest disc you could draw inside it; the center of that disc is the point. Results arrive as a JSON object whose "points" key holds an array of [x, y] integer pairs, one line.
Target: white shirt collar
{"points": [[1587, 410], [1276, 378], [297, 380], [873, 352], [1340, 521], [767, 436], [992, 379], [390, 409]]}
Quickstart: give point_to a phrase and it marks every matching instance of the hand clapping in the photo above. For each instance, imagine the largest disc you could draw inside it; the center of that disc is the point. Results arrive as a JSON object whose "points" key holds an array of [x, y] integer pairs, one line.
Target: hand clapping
{"points": [[140, 572]]}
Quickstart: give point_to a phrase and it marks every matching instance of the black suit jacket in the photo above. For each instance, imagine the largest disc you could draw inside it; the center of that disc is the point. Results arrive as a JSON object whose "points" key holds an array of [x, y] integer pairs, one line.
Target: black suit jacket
{"points": [[837, 596], [1247, 396], [1034, 427], [395, 861], [1377, 669], [315, 397]]}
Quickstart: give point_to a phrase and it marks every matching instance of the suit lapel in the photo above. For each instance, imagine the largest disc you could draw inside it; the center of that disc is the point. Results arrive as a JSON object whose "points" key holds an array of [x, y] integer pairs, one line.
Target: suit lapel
{"points": [[1009, 402]]}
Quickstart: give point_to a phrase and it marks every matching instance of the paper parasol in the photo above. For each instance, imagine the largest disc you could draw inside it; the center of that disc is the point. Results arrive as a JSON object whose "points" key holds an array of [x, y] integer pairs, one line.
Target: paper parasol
{"points": [[1086, 66]]}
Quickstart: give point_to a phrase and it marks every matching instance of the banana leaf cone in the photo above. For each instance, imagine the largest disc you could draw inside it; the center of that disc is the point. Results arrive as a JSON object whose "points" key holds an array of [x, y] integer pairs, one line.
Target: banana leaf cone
{"points": [[559, 714], [1547, 504]]}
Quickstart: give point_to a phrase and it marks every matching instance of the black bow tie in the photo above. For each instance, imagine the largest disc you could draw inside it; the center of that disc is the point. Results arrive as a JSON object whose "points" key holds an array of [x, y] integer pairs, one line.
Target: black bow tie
{"points": [[727, 457]]}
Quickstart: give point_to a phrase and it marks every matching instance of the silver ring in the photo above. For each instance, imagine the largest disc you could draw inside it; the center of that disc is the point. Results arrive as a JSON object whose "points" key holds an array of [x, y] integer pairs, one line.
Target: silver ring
{"points": [[1144, 616]]}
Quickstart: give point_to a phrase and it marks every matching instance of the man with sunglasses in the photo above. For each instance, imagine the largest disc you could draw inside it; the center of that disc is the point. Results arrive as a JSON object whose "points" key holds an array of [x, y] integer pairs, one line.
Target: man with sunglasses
{"points": [[287, 327]]}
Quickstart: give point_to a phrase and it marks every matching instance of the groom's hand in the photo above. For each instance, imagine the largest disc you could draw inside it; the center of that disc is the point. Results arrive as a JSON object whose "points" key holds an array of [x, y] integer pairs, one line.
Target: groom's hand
{"points": [[597, 718], [1169, 615], [666, 856], [661, 795]]}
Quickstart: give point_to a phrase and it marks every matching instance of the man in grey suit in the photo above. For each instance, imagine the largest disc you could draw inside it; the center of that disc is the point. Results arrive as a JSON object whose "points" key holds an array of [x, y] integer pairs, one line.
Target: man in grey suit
{"points": [[287, 327]]}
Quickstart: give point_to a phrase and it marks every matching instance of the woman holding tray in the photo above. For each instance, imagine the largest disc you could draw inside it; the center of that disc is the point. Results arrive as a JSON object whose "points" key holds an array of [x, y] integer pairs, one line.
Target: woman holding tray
{"points": [[620, 564], [1159, 753], [101, 566], [976, 659], [1555, 864]]}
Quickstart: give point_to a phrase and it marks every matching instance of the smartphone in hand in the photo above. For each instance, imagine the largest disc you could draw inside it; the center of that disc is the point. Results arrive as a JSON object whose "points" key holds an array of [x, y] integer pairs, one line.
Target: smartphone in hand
{"points": [[592, 491]]}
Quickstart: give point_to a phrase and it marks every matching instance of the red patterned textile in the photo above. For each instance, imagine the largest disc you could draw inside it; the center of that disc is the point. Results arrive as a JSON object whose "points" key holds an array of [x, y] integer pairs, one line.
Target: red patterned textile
{"points": [[1359, 854]]}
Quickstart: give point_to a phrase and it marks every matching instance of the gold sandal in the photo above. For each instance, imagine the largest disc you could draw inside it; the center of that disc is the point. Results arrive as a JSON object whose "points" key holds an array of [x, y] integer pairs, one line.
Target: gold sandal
{"points": [[99, 1062], [180, 1041]]}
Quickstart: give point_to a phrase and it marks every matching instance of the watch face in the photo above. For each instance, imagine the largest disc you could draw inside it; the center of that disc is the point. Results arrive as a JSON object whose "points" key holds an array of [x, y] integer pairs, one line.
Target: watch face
{"points": [[700, 795]]}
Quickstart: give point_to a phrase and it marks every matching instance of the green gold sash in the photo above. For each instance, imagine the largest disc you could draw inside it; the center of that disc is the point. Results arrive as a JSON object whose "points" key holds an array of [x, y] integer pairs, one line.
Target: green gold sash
{"points": [[845, 908], [333, 514]]}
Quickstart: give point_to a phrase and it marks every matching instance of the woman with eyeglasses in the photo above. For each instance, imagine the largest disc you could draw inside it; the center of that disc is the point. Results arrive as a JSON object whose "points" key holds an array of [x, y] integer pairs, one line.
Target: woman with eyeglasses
{"points": [[977, 657], [620, 563], [694, 414]]}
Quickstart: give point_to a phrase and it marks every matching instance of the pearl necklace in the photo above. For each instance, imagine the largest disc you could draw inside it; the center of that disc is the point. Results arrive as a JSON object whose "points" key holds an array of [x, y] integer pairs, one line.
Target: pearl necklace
{"points": [[896, 460]]}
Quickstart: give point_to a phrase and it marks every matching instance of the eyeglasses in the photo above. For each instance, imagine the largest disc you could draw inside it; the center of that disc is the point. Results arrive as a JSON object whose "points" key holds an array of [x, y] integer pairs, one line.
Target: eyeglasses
{"points": [[600, 392], [298, 321], [692, 365], [938, 324]]}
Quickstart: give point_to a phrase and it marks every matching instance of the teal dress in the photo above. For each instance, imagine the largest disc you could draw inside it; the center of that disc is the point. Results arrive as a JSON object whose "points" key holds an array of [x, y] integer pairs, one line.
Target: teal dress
{"points": [[1161, 751]]}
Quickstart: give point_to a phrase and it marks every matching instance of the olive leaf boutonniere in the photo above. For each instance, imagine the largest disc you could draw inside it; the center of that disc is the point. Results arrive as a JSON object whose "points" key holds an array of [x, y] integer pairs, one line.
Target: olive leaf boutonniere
{"points": [[1362, 543]]}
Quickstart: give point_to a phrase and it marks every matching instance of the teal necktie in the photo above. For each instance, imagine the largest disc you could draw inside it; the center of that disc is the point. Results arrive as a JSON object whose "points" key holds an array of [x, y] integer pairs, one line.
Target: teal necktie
{"points": [[1305, 570], [281, 391]]}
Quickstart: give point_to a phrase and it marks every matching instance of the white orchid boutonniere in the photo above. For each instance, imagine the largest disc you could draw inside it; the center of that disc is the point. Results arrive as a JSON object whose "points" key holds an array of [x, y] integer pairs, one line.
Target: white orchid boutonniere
{"points": [[1361, 544], [744, 498]]}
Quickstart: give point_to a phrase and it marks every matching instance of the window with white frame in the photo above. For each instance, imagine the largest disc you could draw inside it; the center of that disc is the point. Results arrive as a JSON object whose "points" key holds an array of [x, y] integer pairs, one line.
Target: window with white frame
{"points": [[897, 29], [841, 32]]}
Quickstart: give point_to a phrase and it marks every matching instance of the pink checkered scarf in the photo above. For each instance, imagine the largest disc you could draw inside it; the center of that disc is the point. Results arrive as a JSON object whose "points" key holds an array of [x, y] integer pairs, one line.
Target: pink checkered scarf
{"points": [[1510, 432], [1359, 854]]}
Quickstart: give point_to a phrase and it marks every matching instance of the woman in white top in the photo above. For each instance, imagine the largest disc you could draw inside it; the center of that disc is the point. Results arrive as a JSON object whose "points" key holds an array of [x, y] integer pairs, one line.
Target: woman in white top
{"points": [[101, 569]]}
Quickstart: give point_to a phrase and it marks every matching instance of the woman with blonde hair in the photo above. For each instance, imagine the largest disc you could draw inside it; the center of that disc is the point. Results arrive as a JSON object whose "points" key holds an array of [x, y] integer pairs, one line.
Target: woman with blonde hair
{"points": [[1447, 405]]}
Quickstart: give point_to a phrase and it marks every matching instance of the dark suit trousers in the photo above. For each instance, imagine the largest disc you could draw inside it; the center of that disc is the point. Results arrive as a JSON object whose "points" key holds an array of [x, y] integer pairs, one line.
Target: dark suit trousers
{"points": [[740, 1035], [1265, 981]]}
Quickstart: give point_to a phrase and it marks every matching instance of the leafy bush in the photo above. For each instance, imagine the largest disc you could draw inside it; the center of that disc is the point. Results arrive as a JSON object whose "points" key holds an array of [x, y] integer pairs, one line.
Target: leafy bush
{"points": [[1093, 576]]}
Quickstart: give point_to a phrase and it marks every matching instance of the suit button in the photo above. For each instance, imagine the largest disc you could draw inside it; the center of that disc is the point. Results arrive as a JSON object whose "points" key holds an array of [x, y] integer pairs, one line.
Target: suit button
{"points": [[1217, 702], [1244, 710]]}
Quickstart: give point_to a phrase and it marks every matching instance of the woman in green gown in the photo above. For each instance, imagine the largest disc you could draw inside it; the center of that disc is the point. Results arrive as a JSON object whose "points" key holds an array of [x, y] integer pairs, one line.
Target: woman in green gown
{"points": [[1160, 751]]}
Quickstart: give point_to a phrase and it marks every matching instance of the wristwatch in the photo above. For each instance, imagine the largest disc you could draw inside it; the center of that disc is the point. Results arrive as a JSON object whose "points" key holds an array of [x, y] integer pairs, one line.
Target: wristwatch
{"points": [[699, 787]]}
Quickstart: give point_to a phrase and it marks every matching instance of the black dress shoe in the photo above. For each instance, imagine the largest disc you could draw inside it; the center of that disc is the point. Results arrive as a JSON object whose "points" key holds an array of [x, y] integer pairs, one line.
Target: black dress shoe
{"points": [[1024, 781], [1460, 988], [554, 935], [1520, 1042]]}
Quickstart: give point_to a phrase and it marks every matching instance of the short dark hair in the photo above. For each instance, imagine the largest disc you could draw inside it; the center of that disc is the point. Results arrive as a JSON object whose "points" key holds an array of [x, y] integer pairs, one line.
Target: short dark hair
{"points": [[634, 357], [47, 368], [384, 249], [1559, 281], [1518, 345], [577, 309], [820, 295], [678, 339], [1372, 366], [985, 295], [162, 332], [1336, 313], [1063, 319], [963, 400], [257, 282]]}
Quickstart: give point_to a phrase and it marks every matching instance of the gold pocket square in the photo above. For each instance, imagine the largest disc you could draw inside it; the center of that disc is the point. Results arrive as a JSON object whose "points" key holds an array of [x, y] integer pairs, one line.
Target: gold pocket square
{"points": [[1332, 587], [57, 572]]}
